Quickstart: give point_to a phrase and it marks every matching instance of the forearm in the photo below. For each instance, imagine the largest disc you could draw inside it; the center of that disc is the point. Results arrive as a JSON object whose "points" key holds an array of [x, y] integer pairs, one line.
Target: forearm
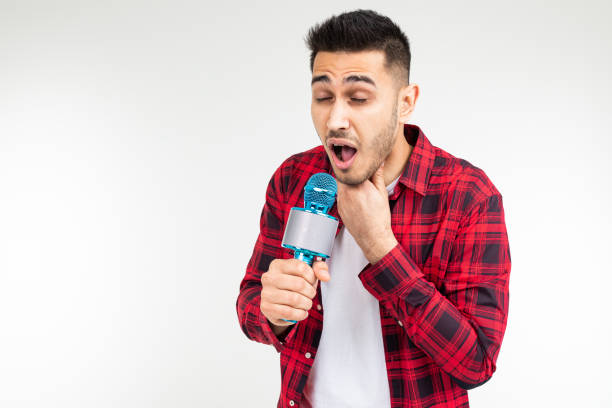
{"points": [[460, 342], [252, 321], [267, 248]]}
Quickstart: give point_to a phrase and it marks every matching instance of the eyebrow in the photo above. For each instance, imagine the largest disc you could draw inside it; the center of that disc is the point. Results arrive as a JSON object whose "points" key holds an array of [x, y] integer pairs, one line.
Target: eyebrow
{"points": [[351, 78]]}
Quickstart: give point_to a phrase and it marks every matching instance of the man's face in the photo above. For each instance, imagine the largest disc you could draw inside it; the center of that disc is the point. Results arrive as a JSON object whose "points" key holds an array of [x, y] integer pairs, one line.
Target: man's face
{"points": [[354, 104]]}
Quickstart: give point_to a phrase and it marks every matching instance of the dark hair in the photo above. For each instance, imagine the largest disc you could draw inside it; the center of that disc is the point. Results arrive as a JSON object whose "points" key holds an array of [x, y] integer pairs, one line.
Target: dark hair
{"points": [[361, 30]]}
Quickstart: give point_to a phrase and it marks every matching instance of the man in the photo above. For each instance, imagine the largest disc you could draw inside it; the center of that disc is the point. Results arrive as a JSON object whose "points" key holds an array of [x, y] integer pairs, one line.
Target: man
{"points": [[413, 303]]}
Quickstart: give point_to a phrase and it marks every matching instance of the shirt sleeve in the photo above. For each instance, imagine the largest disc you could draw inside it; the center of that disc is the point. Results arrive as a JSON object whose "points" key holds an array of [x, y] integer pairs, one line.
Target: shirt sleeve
{"points": [[267, 248], [461, 325]]}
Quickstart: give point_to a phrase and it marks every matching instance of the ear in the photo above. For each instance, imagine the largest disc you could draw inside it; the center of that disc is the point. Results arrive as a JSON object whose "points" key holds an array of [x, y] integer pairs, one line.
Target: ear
{"points": [[407, 96]]}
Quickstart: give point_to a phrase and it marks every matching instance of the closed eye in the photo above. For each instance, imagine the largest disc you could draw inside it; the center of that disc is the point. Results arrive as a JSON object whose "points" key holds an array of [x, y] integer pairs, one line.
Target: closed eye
{"points": [[358, 100]]}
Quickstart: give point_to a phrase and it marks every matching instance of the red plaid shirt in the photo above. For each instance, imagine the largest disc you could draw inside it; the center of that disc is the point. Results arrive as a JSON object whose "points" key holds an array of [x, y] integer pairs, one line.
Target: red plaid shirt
{"points": [[443, 290]]}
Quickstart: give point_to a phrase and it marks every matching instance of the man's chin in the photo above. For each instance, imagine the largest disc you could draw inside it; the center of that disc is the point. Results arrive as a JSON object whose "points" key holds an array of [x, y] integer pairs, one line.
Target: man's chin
{"points": [[354, 175], [347, 177]]}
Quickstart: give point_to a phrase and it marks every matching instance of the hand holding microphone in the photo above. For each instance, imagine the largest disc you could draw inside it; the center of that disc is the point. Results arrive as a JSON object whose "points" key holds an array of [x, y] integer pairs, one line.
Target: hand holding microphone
{"points": [[288, 288], [289, 285]]}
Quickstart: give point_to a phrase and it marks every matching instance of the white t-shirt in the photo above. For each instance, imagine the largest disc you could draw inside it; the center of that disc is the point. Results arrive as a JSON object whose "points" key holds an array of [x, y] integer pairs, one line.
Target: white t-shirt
{"points": [[349, 368]]}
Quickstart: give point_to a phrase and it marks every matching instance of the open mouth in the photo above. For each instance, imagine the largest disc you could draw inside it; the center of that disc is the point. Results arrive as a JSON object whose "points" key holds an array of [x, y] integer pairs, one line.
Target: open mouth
{"points": [[343, 153]]}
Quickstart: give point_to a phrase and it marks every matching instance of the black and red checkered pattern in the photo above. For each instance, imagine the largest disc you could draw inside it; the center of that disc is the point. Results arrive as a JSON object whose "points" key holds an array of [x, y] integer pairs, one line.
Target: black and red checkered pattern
{"points": [[443, 290]]}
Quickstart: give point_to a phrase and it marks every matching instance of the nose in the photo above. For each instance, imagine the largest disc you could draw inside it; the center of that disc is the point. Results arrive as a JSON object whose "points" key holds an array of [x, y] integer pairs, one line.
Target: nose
{"points": [[338, 117]]}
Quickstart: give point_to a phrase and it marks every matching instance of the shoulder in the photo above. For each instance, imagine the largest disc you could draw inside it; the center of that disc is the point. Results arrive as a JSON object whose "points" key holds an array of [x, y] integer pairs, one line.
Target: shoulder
{"points": [[468, 185]]}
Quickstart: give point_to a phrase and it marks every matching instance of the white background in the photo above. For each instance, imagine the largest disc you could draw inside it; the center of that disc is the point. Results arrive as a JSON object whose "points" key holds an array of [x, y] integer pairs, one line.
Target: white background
{"points": [[136, 142]]}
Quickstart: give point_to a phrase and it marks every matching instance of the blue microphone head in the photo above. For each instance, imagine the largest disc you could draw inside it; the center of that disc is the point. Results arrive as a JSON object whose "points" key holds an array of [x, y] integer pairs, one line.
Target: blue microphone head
{"points": [[320, 192]]}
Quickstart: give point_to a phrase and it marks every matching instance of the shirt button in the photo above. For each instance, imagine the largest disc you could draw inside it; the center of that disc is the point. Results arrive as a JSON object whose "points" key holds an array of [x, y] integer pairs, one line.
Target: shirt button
{"points": [[400, 323], [291, 403], [307, 355], [318, 307]]}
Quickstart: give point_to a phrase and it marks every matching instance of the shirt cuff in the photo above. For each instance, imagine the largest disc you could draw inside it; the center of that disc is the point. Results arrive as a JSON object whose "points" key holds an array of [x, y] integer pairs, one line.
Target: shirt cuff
{"points": [[396, 274], [286, 337]]}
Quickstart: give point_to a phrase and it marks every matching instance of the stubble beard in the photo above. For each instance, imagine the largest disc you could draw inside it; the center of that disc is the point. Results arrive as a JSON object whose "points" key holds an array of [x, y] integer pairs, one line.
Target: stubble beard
{"points": [[382, 146]]}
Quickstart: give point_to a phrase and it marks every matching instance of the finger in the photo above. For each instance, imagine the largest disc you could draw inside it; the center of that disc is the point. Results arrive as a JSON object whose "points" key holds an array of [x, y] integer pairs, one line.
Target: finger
{"points": [[378, 178], [298, 268], [321, 271], [294, 299], [288, 312], [339, 189], [296, 284]]}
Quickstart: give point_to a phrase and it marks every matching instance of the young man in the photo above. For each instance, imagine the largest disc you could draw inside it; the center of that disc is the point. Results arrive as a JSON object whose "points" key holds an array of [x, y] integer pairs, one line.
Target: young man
{"points": [[413, 303]]}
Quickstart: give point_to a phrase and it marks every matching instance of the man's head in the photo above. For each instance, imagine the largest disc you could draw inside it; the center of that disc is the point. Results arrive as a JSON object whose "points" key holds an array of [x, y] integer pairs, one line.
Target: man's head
{"points": [[361, 95]]}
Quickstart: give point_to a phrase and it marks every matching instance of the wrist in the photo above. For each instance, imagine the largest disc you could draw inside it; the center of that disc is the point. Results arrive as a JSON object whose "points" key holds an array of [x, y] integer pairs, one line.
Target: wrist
{"points": [[381, 249], [279, 330]]}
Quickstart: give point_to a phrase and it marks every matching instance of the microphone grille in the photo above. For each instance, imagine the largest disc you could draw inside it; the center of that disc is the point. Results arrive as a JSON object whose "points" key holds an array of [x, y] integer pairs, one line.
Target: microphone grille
{"points": [[321, 189]]}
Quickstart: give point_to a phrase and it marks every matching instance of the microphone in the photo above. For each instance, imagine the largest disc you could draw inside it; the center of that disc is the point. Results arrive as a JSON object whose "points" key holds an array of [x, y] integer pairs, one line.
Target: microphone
{"points": [[310, 231]]}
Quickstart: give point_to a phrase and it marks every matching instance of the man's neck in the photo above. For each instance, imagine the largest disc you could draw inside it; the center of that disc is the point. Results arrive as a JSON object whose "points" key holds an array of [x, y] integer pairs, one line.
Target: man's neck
{"points": [[397, 159]]}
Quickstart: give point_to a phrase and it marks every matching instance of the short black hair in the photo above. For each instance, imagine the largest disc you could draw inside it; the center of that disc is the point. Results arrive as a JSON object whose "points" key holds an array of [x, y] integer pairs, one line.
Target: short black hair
{"points": [[362, 30]]}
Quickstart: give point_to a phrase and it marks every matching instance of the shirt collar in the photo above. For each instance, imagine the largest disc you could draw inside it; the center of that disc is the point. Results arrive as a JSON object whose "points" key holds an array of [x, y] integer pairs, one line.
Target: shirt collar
{"points": [[420, 163]]}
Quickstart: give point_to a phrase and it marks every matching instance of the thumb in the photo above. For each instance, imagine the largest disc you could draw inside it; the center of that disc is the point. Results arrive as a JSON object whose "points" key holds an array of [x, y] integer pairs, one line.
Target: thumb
{"points": [[378, 178], [321, 270]]}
